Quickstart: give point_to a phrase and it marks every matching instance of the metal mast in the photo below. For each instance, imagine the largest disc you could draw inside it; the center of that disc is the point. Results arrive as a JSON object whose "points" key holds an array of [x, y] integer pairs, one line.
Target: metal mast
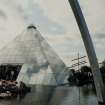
{"points": [[90, 50]]}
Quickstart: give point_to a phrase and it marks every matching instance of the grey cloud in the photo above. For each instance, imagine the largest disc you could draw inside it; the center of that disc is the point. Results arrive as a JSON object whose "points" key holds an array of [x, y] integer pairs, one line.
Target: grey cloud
{"points": [[3, 15], [100, 36], [34, 14]]}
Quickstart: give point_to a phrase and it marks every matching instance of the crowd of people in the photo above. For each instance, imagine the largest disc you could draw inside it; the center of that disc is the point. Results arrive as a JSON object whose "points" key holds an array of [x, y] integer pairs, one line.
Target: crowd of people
{"points": [[12, 89], [9, 87]]}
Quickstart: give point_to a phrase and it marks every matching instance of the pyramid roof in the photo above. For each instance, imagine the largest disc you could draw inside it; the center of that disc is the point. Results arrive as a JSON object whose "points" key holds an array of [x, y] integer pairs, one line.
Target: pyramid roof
{"points": [[31, 48]]}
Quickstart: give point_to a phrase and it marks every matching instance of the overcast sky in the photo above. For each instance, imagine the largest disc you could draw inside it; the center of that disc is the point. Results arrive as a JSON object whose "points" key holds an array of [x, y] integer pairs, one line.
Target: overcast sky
{"points": [[55, 21]]}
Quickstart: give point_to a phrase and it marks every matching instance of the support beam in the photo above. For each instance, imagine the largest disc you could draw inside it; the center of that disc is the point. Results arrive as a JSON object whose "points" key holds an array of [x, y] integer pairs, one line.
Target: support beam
{"points": [[90, 50]]}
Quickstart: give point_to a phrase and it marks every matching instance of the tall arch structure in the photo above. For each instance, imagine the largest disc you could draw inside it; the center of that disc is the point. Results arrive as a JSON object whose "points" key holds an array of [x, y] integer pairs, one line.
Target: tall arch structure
{"points": [[89, 49]]}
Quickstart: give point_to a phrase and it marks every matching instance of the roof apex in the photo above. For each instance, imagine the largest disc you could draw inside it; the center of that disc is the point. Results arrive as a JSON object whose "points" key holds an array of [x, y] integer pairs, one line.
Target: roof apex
{"points": [[31, 27]]}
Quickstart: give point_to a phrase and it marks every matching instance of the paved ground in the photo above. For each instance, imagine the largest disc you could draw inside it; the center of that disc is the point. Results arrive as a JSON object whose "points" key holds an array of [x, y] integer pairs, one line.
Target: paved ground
{"points": [[44, 95]]}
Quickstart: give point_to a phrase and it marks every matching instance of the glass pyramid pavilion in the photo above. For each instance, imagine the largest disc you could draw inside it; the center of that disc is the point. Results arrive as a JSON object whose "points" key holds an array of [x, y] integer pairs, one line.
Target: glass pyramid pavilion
{"points": [[40, 64]]}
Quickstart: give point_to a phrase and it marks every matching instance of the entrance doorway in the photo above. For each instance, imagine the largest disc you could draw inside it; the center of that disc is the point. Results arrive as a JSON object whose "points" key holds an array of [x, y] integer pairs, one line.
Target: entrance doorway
{"points": [[9, 71]]}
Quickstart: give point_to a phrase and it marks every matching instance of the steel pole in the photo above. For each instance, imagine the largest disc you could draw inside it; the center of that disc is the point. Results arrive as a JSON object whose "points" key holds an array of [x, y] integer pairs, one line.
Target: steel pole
{"points": [[89, 49]]}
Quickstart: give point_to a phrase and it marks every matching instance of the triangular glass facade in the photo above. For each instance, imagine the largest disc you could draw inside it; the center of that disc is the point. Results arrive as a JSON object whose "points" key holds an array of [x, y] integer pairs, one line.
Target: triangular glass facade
{"points": [[32, 50]]}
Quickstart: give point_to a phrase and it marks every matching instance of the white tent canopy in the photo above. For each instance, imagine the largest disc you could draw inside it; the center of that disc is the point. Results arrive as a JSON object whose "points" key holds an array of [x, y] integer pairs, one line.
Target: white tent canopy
{"points": [[41, 65]]}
